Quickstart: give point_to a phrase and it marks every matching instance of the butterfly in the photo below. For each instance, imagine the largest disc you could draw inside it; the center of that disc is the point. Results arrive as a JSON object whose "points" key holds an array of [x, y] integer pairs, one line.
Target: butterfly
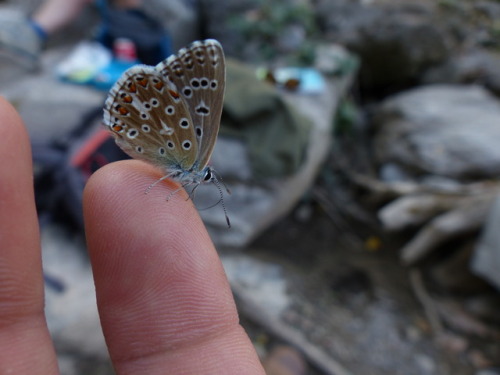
{"points": [[169, 115]]}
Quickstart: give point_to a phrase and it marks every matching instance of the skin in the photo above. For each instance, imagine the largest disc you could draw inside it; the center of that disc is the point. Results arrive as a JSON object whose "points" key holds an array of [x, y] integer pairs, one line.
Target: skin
{"points": [[164, 301]]}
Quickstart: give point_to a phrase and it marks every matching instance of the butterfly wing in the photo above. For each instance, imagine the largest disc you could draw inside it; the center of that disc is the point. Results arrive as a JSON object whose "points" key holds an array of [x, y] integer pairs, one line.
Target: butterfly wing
{"points": [[150, 121], [199, 74]]}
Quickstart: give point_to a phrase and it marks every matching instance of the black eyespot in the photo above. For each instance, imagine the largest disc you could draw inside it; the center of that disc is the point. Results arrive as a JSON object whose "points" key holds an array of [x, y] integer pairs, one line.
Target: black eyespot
{"points": [[170, 145], [187, 92], [202, 110], [184, 123], [155, 102], [144, 116], [204, 82], [161, 151], [186, 145], [199, 132], [213, 84], [132, 133], [195, 83], [147, 105]]}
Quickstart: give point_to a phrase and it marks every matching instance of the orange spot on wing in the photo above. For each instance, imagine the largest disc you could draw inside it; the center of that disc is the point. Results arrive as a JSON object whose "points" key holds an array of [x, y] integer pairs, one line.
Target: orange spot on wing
{"points": [[143, 82], [122, 110], [159, 86], [174, 94], [132, 87]]}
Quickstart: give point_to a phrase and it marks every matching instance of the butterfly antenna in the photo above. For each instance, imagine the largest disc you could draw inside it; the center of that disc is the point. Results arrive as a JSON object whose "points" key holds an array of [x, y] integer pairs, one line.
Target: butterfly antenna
{"points": [[217, 183], [220, 179], [209, 207]]}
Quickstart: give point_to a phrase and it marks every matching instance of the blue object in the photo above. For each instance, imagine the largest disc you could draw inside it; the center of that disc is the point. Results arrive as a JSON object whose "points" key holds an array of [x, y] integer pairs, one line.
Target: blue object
{"points": [[106, 77]]}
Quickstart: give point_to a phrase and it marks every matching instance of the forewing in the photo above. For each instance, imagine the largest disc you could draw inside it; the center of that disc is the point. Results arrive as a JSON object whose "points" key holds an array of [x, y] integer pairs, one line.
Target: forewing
{"points": [[150, 120], [198, 72]]}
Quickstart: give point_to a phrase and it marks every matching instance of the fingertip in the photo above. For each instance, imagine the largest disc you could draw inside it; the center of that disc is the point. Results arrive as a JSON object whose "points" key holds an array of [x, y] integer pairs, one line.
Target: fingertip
{"points": [[152, 259], [15, 138], [120, 190]]}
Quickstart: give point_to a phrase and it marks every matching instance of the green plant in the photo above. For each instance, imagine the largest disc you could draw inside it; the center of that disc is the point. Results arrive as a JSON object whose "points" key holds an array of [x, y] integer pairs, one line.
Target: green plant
{"points": [[264, 25]]}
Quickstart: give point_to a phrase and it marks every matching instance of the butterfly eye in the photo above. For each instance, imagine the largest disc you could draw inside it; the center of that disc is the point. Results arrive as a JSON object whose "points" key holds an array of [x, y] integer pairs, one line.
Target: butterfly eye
{"points": [[208, 175]]}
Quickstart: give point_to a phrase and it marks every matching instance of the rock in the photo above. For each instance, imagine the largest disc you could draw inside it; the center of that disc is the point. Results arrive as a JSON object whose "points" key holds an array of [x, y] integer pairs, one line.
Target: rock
{"points": [[445, 130], [484, 306], [490, 371], [71, 308], [255, 205], [49, 107], [476, 65], [453, 273], [382, 33], [486, 258], [179, 17]]}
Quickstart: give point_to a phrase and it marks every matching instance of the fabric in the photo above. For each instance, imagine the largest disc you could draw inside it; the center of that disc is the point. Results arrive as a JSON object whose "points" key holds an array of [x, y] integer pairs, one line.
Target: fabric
{"points": [[152, 41], [275, 133]]}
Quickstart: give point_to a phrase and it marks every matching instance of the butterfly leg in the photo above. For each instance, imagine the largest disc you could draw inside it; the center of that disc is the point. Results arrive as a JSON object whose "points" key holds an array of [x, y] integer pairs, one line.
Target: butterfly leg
{"points": [[157, 182], [177, 190], [193, 192]]}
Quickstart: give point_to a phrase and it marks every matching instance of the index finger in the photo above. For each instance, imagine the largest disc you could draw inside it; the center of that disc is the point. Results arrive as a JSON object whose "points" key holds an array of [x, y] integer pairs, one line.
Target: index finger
{"points": [[163, 297]]}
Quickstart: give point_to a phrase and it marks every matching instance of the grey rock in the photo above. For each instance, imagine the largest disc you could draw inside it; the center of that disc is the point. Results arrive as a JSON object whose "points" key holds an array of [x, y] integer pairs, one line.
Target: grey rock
{"points": [[71, 312], [50, 108], [381, 33], [477, 66], [488, 371], [486, 258], [445, 130], [179, 17], [254, 206]]}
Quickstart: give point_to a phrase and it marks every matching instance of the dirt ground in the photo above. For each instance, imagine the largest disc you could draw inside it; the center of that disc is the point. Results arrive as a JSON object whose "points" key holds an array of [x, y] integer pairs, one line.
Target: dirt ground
{"points": [[356, 304]]}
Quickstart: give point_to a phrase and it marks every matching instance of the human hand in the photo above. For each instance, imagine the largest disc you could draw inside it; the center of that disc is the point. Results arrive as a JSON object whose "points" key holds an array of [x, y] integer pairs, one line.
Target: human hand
{"points": [[163, 298]]}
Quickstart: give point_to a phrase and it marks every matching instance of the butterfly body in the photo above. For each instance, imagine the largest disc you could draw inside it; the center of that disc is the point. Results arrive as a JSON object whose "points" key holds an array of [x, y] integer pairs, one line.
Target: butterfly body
{"points": [[169, 115]]}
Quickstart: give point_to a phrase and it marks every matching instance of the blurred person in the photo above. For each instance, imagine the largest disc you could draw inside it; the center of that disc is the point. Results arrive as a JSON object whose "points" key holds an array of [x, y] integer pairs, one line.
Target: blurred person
{"points": [[23, 38]]}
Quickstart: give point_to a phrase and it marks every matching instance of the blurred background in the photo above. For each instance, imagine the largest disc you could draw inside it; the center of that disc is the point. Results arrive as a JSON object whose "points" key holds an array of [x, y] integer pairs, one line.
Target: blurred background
{"points": [[360, 140]]}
